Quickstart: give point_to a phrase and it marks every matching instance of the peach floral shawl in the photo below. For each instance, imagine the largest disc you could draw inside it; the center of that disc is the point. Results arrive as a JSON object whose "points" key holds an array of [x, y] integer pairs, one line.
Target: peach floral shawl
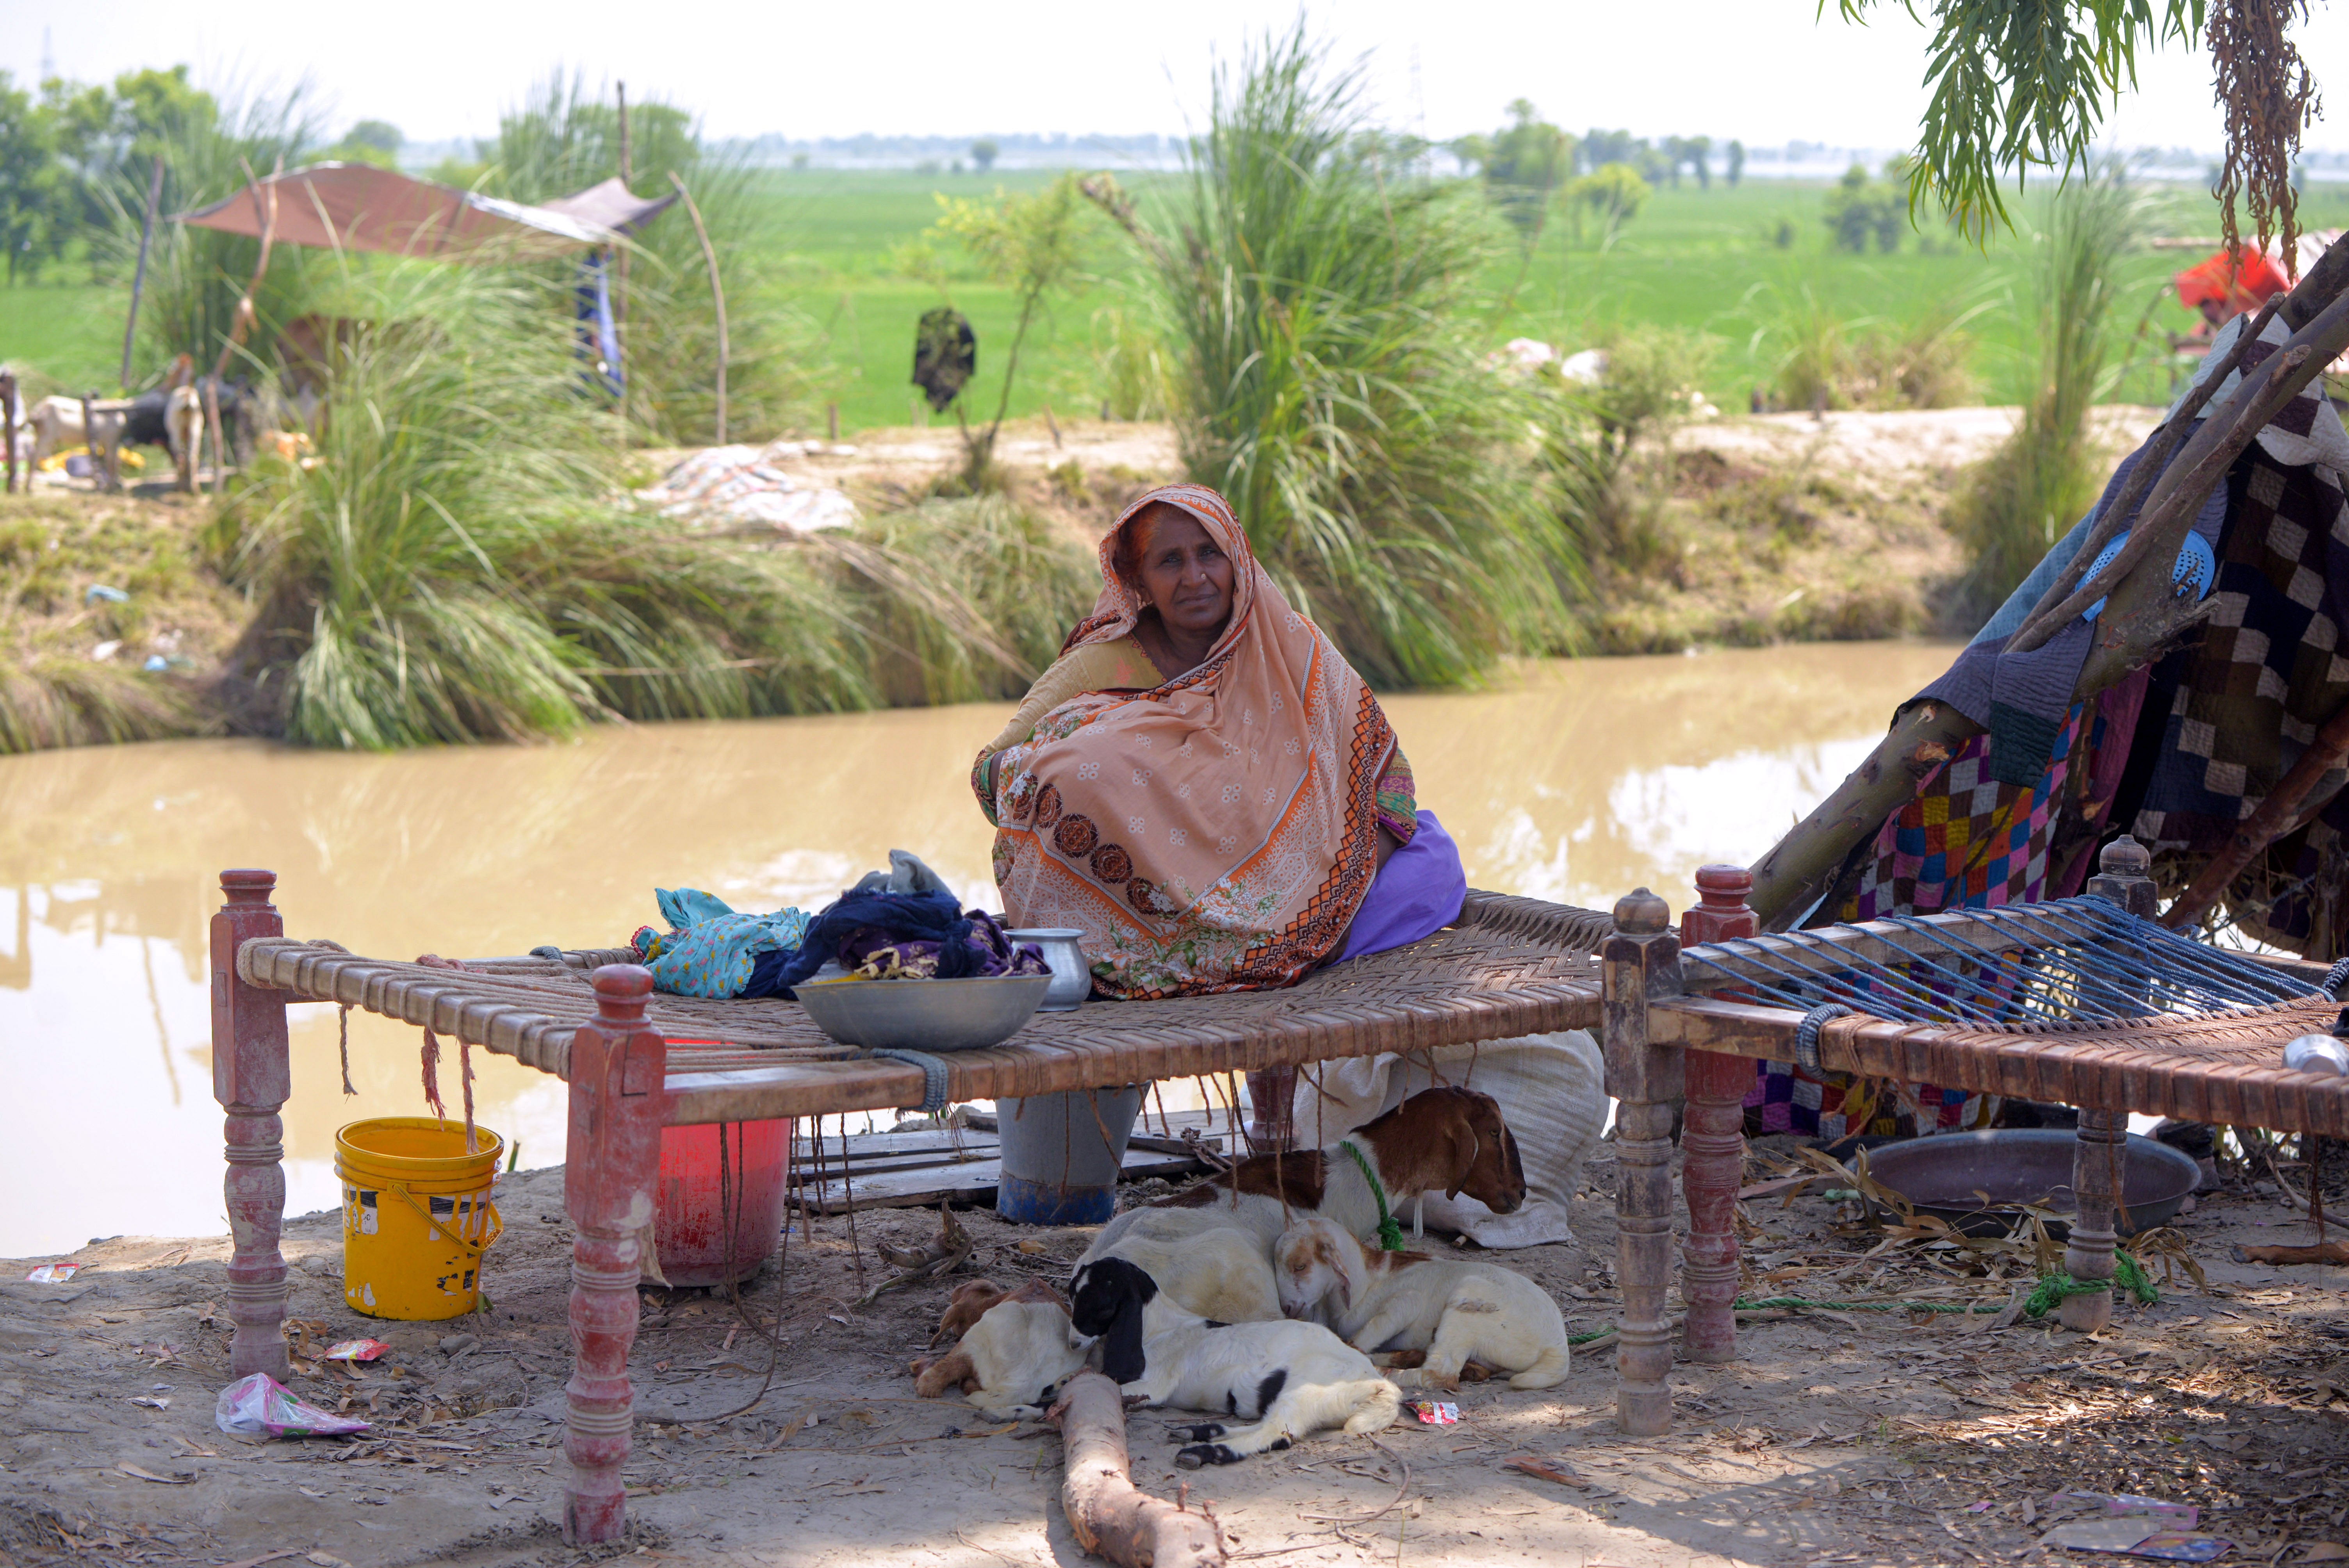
{"points": [[1216, 832]]}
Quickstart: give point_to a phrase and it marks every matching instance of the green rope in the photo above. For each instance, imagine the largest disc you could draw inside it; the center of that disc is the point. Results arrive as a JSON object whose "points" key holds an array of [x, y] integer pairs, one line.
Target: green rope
{"points": [[1390, 1229], [2052, 1289]]}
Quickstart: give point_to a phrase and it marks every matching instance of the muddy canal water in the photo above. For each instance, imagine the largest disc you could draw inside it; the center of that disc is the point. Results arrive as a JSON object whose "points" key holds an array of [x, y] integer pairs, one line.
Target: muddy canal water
{"points": [[1573, 781]]}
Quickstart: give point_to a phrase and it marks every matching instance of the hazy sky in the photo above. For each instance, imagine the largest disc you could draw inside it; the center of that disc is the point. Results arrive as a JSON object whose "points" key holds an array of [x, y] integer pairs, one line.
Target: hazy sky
{"points": [[1766, 71]]}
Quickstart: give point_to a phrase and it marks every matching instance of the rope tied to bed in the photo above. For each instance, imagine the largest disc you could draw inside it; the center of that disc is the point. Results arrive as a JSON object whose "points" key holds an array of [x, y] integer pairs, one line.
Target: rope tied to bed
{"points": [[1806, 1032], [933, 1074], [2336, 978]]}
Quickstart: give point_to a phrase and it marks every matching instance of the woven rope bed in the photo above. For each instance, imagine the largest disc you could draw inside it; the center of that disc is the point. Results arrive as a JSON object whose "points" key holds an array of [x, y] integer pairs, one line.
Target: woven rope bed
{"points": [[1509, 966]]}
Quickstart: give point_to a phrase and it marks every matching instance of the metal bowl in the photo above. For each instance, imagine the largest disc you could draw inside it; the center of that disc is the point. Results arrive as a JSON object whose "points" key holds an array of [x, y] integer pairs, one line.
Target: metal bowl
{"points": [[924, 1014], [1950, 1176]]}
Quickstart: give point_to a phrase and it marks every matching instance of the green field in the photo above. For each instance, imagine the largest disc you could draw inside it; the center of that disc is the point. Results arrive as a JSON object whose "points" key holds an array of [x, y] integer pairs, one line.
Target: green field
{"points": [[1706, 260]]}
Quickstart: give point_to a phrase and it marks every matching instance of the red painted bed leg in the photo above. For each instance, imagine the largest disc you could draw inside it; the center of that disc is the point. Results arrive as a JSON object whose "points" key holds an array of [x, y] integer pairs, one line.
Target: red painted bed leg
{"points": [[251, 1081], [611, 1164], [1641, 962], [1713, 1139]]}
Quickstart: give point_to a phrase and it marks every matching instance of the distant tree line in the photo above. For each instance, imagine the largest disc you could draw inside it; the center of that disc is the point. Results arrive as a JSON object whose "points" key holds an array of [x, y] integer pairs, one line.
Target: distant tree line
{"points": [[73, 155], [1532, 167]]}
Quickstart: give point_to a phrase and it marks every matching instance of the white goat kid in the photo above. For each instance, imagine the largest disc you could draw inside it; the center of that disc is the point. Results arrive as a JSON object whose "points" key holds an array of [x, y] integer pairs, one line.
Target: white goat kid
{"points": [[1011, 1361], [1288, 1379], [1223, 1276], [1454, 1312]]}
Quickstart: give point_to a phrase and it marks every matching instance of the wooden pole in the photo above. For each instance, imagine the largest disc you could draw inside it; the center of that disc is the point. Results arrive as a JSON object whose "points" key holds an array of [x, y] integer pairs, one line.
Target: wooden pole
{"points": [[139, 277], [620, 279], [1638, 964], [2142, 615], [89, 439], [611, 1168], [8, 415], [1713, 1139], [1109, 1515], [265, 212], [717, 296], [250, 1079]]}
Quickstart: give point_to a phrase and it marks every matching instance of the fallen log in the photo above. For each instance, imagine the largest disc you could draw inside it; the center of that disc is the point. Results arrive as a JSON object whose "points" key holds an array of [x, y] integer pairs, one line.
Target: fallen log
{"points": [[2322, 1253], [1111, 1517]]}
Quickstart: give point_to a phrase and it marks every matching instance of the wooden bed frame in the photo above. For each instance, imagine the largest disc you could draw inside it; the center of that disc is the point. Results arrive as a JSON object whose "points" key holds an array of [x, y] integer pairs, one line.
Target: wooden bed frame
{"points": [[1509, 966]]}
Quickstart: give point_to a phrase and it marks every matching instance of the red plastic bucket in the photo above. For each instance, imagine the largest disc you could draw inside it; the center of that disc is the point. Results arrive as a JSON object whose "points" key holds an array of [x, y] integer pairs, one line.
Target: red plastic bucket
{"points": [[689, 1231]]}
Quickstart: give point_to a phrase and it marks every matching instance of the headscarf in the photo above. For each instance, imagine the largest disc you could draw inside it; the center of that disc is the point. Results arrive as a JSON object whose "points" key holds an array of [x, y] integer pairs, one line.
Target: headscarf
{"points": [[1218, 831]]}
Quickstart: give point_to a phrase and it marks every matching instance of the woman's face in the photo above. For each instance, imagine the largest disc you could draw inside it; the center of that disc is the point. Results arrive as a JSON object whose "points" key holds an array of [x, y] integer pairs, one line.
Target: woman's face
{"points": [[1184, 574]]}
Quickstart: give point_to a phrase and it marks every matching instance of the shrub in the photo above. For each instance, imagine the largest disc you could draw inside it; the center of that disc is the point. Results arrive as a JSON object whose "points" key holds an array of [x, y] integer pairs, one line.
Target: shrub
{"points": [[1323, 380]]}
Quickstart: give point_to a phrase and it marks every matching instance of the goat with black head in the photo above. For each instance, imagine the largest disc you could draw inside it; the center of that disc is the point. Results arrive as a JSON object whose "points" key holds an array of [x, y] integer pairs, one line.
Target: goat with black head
{"points": [[1286, 1380]]}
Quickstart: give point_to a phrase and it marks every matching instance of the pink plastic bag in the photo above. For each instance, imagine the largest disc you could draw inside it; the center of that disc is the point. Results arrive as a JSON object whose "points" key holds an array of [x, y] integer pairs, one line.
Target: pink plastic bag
{"points": [[262, 1406]]}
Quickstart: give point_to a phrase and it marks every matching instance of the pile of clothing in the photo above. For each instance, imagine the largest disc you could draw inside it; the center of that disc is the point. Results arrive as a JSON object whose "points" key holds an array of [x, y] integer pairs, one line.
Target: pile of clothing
{"points": [[904, 923]]}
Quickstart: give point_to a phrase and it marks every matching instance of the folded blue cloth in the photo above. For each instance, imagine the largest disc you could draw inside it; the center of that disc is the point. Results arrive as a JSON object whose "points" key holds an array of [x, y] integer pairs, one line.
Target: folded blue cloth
{"points": [[710, 950]]}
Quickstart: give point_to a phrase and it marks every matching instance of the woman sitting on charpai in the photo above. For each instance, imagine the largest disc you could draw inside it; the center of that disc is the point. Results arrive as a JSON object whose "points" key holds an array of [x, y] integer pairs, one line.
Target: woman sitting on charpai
{"points": [[1201, 784]]}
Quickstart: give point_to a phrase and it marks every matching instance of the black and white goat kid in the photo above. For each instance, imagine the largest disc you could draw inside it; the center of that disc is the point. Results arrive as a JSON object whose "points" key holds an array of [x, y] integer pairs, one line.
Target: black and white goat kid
{"points": [[1287, 1379]]}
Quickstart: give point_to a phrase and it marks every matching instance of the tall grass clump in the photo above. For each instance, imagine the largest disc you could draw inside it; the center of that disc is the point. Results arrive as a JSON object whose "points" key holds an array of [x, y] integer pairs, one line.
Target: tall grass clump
{"points": [[451, 567], [563, 139], [1315, 304], [2020, 498], [964, 599]]}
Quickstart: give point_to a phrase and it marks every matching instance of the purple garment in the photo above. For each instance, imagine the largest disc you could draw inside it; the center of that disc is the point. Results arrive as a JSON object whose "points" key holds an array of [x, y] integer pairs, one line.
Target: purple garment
{"points": [[1416, 894]]}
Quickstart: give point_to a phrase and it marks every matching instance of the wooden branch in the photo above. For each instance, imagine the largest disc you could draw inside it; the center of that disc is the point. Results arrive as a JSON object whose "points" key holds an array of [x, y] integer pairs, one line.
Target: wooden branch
{"points": [[241, 322], [1111, 1518], [717, 293], [2335, 1252], [139, 277], [1799, 871], [2144, 614], [2154, 460], [2278, 815]]}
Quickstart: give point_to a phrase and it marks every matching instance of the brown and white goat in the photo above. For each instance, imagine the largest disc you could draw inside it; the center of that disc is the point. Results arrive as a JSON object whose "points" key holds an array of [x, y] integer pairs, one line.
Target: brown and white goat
{"points": [[1444, 1140], [1013, 1357]]}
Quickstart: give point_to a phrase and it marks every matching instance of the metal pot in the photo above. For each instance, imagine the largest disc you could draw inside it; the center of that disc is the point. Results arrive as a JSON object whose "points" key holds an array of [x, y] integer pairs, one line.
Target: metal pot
{"points": [[1073, 977]]}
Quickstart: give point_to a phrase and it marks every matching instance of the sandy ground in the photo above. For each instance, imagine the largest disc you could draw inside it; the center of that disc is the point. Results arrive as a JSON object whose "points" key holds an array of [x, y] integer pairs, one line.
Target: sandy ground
{"points": [[1915, 440], [1859, 1438]]}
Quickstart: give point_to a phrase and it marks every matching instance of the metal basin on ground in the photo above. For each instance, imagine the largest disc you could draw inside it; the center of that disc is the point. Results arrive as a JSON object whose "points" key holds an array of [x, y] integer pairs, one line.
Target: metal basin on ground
{"points": [[1979, 1182], [924, 1014]]}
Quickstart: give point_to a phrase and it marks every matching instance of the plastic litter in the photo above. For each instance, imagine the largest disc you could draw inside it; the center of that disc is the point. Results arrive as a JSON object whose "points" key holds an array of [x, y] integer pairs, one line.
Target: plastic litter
{"points": [[156, 665], [262, 1406], [357, 1350], [97, 591], [53, 1273], [1435, 1412]]}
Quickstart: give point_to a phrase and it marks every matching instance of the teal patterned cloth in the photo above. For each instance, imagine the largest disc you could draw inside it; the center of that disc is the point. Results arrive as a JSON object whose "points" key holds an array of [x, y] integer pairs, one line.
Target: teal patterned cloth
{"points": [[709, 948]]}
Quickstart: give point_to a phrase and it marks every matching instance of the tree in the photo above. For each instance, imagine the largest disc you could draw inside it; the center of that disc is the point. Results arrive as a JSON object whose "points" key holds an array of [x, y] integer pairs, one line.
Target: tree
{"points": [[29, 183], [1698, 149], [1613, 193], [1032, 246], [1601, 148], [1523, 165], [1736, 162], [984, 152], [372, 141], [2016, 87], [1860, 208], [380, 134]]}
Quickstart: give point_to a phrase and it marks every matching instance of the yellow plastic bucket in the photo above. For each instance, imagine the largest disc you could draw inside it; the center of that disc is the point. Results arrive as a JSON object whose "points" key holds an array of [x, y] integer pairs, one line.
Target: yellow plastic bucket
{"points": [[417, 1215]]}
